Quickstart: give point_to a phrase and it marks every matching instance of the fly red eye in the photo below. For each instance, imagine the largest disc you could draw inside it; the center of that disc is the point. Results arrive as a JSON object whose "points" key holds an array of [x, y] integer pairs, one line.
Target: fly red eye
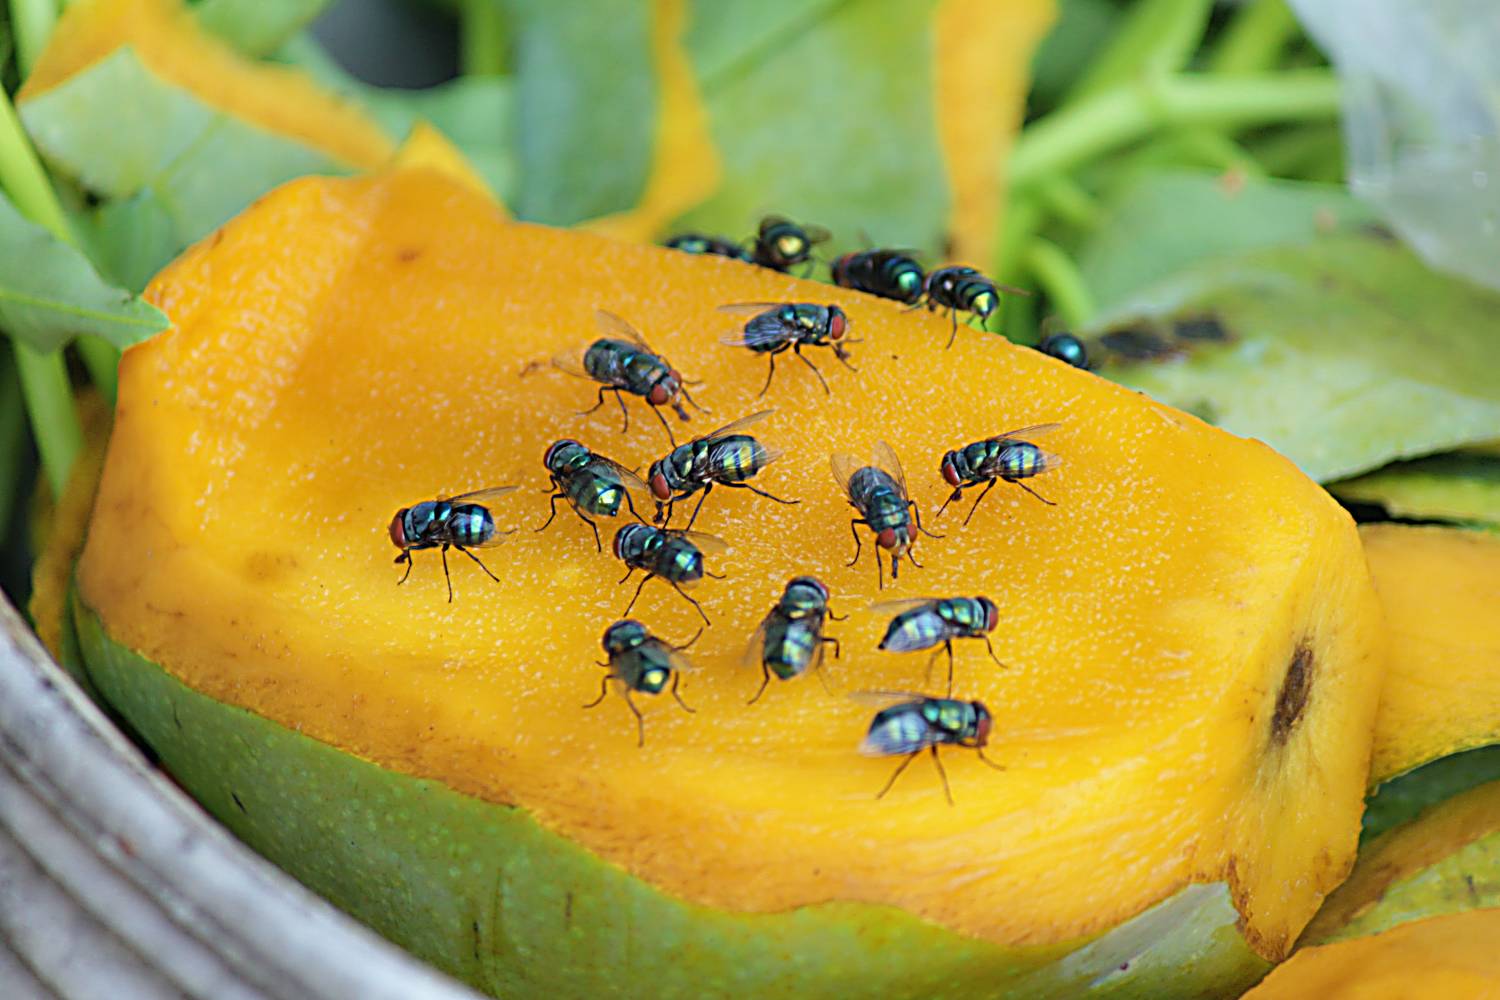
{"points": [[398, 529], [982, 731], [659, 487], [886, 539], [836, 325], [950, 474], [658, 395], [991, 617]]}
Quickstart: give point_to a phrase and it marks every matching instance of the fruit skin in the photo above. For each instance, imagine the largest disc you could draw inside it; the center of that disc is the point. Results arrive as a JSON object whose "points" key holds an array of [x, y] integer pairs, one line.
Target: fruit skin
{"points": [[1445, 860], [485, 893], [1452, 957], [232, 544], [1440, 588]]}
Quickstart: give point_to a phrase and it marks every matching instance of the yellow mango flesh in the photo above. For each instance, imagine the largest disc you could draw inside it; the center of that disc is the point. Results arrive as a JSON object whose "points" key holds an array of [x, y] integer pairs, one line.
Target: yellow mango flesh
{"points": [[1452, 956], [1193, 643], [1440, 588], [167, 38]]}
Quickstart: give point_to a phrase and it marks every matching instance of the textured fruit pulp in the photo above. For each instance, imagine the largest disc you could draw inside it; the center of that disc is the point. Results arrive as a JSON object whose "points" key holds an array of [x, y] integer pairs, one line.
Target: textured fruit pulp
{"points": [[351, 347]]}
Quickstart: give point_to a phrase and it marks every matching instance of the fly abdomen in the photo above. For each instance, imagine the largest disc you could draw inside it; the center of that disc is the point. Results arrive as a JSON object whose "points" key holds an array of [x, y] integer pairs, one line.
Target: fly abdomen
{"points": [[920, 629], [595, 494], [470, 525], [735, 459], [790, 647], [1020, 460], [605, 360]]}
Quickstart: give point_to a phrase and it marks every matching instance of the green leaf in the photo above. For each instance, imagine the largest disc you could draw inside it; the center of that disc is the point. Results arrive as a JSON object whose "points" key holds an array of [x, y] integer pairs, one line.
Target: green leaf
{"points": [[585, 107], [1344, 354], [257, 27], [50, 293], [823, 113], [1164, 222], [176, 165], [474, 112], [1454, 487], [1082, 30], [1402, 799]]}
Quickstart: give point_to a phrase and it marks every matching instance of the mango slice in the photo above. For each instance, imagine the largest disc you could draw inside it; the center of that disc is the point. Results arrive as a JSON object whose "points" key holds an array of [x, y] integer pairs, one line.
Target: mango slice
{"points": [[1445, 860], [1193, 643], [1448, 956], [1440, 588]]}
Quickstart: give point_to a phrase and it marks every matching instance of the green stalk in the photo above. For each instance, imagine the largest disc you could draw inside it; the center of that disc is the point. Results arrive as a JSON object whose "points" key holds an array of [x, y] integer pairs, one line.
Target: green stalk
{"points": [[31, 23], [1254, 40], [1079, 132], [482, 34], [49, 404], [44, 376], [1023, 217], [12, 435], [1070, 201], [1059, 277], [1158, 36]]}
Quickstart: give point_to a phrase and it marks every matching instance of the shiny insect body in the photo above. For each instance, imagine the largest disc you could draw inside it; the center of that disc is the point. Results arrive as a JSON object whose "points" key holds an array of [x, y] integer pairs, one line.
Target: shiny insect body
{"points": [[934, 622], [715, 246], [625, 363], [963, 289], [640, 661], [1065, 347], [890, 274], [1003, 457], [777, 326], [878, 492], [781, 244], [675, 556], [590, 483], [790, 638], [921, 723], [725, 457], [463, 522]]}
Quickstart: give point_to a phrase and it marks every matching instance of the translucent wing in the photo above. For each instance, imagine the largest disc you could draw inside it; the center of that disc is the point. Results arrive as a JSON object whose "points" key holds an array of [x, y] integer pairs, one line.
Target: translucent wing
{"points": [[903, 605], [885, 458], [817, 234], [707, 544], [676, 657], [764, 330], [901, 730], [1033, 431], [631, 481], [571, 361], [737, 426], [614, 326], [754, 655], [749, 308], [885, 697], [844, 466], [480, 496]]}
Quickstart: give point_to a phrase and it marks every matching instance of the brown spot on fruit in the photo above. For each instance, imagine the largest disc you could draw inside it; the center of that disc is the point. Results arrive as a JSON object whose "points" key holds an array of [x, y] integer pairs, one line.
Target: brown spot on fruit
{"points": [[1292, 698], [408, 254]]}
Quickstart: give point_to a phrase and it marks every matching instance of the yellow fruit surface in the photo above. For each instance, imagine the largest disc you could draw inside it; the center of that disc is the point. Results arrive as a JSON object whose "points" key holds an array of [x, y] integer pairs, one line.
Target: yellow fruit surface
{"points": [[1193, 644]]}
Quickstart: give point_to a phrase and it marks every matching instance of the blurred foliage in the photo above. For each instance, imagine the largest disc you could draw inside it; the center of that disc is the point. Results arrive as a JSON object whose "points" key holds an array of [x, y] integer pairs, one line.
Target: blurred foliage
{"points": [[1460, 487]]}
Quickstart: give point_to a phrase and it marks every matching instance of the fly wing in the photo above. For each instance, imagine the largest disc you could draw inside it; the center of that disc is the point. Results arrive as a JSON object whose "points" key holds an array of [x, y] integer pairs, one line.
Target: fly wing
{"points": [[901, 606], [631, 481], [571, 361], [737, 426], [749, 308], [885, 458], [614, 326], [817, 234], [898, 732], [707, 544], [754, 655], [844, 466], [1024, 432], [480, 496], [764, 332]]}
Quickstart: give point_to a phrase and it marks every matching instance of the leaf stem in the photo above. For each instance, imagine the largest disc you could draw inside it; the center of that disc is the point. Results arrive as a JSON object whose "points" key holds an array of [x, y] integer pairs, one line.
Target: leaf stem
{"points": [[32, 21], [1061, 280], [1080, 131], [49, 404], [1254, 40], [482, 33], [1158, 36], [12, 434], [1070, 201]]}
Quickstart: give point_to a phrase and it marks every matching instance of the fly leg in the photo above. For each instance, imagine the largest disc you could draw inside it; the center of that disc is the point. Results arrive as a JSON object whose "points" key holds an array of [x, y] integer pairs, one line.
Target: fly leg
{"points": [[404, 557], [603, 689], [446, 576], [952, 318], [852, 530], [756, 490], [938, 763], [987, 487], [843, 355], [696, 606], [798, 351], [630, 504], [909, 758], [598, 546], [478, 563], [552, 507], [689, 644], [918, 512], [676, 680], [958, 491], [1028, 489], [991, 648], [640, 723], [980, 751], [637, 589], [771, 357], [695, 509], [666, 426], [687, 396], [765, 679], [948, 645]]}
